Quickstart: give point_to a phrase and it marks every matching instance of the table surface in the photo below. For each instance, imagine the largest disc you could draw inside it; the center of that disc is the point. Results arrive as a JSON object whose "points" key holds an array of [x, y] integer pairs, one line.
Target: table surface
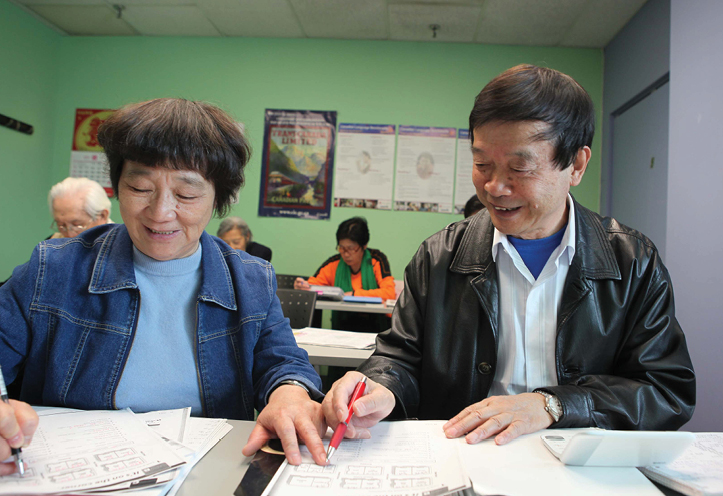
{"points": [[337, 357], [221, 470], [353, 307]]}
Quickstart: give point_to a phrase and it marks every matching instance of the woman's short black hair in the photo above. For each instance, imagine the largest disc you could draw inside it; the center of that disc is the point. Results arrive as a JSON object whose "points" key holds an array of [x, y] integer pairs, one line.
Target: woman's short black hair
{"points": [[179, 134], [531, 93], [472, 206], [355, 229]]}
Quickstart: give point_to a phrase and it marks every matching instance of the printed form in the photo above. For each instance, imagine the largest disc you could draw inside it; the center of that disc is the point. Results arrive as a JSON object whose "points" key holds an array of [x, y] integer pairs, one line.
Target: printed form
{"points": [[77, 451], [402, 458]]}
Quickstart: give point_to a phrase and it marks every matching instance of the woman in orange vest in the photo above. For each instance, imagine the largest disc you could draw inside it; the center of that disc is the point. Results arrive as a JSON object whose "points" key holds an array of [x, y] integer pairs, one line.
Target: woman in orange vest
{"points": [[359, 271]]}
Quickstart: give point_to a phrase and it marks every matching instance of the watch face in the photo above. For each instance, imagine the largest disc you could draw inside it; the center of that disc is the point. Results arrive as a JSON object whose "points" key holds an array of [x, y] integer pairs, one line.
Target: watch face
{"points": [[553, 406]]}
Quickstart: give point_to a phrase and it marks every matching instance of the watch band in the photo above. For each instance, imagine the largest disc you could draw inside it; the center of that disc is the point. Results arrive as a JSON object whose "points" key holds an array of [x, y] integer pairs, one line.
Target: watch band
{"points": [[294, 382]]}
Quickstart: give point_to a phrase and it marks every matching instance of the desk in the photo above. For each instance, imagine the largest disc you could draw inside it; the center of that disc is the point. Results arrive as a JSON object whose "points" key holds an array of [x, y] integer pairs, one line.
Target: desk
{"points": [[337, 357], [353, 307], [221, 470]]}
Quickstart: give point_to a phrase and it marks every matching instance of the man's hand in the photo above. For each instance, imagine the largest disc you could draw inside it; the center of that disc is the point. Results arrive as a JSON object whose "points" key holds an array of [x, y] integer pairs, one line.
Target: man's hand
{"points": [[376, 404], [290, 412], [300, 283], [506, 416], [18, 422]]}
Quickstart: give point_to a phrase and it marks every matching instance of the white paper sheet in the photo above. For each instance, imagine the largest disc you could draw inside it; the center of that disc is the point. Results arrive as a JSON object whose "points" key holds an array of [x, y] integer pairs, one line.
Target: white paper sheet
{"points": [[401, 458], [463, 187], [525, 466], [335, 339], [79, 451], [699, 470], [364, 168], [171, 424], [424, 178]]}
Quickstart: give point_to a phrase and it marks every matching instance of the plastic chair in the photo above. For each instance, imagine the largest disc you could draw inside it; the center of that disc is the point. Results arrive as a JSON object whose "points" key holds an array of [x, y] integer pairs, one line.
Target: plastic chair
{"points": [[286, 281], [298, 306]]}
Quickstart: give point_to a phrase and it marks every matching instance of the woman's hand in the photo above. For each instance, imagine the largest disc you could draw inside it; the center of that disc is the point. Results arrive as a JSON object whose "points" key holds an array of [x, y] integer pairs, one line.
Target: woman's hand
{"points": [[18, 422], [376, 404], [290, 413], [299, 283]]}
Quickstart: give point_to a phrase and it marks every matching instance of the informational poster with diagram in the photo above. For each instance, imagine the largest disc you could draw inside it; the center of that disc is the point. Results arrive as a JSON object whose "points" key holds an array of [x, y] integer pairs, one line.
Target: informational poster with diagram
{"points": [[364, 166], [87, 158], [424, 179], [463, 188], [297, 164]]}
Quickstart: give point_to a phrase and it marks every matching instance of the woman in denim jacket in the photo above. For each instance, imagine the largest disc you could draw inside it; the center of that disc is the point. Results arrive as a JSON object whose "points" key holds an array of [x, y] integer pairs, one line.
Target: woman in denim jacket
{"points": [[156, 314]]}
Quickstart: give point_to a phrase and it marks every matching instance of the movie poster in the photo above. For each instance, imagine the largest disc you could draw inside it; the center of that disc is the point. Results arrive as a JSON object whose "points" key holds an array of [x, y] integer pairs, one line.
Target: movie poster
{"points": [[87, 158], [297, 164]]}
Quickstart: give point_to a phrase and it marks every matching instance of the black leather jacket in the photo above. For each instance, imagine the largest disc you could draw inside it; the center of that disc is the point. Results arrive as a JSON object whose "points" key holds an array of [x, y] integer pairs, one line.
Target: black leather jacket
{"points": [[622, 360]]}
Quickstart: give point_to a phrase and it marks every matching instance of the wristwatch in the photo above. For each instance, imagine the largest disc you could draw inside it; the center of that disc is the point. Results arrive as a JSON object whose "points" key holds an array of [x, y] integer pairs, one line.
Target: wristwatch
{"points": [[552, 405]]}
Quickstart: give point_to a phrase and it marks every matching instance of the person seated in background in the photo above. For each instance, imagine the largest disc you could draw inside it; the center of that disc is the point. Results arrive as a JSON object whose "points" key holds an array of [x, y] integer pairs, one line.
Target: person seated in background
{"points": [[472, 206], [536, 312], [236, 233], [359, 271], [77, 204], [209, 334]]}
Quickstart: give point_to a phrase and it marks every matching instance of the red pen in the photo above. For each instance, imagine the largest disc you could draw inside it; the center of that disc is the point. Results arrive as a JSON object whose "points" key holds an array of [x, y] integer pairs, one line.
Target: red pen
{"points": [[341, 428]]}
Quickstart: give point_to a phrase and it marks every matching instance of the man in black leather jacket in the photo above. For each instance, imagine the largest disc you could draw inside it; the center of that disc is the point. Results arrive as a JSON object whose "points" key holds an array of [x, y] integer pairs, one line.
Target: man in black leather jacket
{"points": [[618, 353]]}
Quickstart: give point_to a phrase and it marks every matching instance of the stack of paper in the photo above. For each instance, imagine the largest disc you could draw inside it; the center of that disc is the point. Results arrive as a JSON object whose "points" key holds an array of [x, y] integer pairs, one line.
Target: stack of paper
{"points": [[112, 451], [698, 471], [335, 339]]}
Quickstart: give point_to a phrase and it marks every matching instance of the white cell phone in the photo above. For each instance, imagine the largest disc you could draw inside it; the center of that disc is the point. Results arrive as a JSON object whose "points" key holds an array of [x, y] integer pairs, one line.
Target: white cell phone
{"points": [[603, 448]]}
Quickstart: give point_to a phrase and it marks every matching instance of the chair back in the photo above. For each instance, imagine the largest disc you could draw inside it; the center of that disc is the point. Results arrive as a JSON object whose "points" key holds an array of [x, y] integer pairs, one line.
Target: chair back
{"points": [[285, 281], [298, 306]]}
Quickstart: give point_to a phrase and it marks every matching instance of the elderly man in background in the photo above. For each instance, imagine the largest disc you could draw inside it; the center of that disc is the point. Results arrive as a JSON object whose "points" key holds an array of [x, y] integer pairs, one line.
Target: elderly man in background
{"points": [[77, 204]]}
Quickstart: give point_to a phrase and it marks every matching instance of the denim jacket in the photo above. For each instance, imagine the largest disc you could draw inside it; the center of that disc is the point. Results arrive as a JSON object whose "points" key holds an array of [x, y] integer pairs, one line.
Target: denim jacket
{"points": [[68, 317]]}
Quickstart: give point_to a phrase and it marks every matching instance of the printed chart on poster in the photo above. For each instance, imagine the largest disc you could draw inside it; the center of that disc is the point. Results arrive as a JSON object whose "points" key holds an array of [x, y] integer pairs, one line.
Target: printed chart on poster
{"points": [[364, 170], [87, 158], [297, 164], [463, 188], [425, 169]]}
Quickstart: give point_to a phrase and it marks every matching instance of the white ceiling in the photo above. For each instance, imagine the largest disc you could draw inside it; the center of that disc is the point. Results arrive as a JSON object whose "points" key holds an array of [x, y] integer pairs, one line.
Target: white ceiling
{"points": [[565, 23]]}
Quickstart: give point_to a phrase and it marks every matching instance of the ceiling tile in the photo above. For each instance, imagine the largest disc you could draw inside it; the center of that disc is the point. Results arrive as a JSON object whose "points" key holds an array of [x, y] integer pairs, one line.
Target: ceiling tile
{"points": [[262, 18], [169, 20], [345, 19], [412, 22], [527, 22], [84, 20], [600, 21]]}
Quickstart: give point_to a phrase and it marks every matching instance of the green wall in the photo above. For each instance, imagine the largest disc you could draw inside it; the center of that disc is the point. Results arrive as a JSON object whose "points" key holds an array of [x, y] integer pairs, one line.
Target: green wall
{"points": [[425, 84], [28, 83]]}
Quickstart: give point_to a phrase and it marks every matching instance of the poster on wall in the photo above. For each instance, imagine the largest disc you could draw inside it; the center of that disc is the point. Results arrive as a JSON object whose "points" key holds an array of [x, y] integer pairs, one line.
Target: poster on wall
{"points": [[463, 188], [424, 179], [364, 171], [297, 163], [86, 157]]}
